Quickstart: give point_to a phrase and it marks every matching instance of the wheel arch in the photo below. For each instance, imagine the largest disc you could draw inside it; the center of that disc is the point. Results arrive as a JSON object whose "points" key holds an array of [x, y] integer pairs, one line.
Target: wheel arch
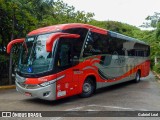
{"points": [[93, 78]]}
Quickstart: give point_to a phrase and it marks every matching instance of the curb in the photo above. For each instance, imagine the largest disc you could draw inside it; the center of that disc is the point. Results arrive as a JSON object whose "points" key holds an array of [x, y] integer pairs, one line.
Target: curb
{"points": [[8, 87]]}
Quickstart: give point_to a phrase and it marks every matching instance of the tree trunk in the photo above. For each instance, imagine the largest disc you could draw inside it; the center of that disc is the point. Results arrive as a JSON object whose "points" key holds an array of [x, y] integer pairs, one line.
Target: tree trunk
{"points": [[10, 67], [155, 60]]}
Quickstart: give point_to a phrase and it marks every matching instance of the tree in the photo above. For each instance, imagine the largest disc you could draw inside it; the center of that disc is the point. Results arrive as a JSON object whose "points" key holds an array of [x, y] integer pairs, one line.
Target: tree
{"points": [[152, 21], [18, 17]]}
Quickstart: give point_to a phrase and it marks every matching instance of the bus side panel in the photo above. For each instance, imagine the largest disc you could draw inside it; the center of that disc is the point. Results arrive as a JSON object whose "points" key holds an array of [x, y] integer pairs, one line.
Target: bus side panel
{"points": [[68, 85], [73, 82], [66, 89], [145, 69], [129, 75]]}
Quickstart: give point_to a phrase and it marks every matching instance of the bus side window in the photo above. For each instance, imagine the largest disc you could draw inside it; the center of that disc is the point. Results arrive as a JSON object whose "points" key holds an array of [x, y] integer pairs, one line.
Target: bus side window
{"points": [[64, 55], [96, 44], [131, 52]]}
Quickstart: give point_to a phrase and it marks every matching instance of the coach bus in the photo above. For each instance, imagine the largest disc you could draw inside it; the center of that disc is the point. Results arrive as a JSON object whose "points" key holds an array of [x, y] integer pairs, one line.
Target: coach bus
{"points": [[69, 59]]}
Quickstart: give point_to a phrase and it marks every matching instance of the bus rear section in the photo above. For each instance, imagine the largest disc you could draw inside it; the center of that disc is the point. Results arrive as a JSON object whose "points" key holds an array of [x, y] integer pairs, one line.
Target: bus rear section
{"points": [[65, 60]]}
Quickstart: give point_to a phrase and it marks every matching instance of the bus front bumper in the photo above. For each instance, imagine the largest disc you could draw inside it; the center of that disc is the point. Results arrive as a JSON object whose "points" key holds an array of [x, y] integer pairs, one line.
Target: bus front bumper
{"points": [[46, 93]]}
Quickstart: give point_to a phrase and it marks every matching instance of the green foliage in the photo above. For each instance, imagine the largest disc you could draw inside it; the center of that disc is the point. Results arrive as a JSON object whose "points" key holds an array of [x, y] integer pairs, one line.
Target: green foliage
{"points": [[18, 17], [152, 20], [158, 31], [119, 27], [3, 58], [153, 37], [157, 68]]}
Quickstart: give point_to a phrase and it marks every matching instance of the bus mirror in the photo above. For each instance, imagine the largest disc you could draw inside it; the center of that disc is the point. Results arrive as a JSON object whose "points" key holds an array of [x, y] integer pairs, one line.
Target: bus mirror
{"points": [[54, 37], [11, 43]]}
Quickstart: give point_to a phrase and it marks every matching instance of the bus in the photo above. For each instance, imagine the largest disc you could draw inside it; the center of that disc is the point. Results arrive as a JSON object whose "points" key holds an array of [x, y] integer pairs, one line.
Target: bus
{"points": [[77, 59]]}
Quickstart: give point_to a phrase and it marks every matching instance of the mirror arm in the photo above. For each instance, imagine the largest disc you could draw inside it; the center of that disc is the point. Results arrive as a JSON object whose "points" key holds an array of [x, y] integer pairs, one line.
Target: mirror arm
{"points": [[11, 43]]}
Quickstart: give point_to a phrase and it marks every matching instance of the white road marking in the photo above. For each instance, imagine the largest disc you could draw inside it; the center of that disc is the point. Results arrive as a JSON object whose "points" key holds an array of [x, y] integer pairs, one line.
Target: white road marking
{"points": [[103, 106], [57, 118], [91, 110], [117, 107], [94, 105], [76, 108]]}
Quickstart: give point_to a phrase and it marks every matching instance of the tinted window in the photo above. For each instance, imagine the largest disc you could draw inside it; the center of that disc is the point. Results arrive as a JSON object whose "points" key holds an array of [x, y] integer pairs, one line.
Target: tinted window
{"points": [[112, 44], [116, 46], [96, 44], [77, 43], [141, 50], [131, 52], [63, 55], [127, 47], [67, 53]]}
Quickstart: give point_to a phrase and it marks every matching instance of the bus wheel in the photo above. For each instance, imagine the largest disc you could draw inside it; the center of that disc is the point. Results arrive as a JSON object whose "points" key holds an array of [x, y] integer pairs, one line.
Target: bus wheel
{"points": [[138, 77], [88, 88]]}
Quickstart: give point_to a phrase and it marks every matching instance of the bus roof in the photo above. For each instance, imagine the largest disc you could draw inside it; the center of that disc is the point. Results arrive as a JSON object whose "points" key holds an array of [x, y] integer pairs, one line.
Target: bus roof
{"points": [[124, 37], [61, 27]]}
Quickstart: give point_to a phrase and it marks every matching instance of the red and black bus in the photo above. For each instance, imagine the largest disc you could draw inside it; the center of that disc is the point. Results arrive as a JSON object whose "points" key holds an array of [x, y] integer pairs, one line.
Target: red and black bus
{"points": [[68, 59]]}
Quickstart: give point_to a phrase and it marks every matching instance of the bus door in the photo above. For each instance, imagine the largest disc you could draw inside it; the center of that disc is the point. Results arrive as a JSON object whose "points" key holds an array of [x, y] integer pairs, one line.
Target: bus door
{"points": [[67, 81]]}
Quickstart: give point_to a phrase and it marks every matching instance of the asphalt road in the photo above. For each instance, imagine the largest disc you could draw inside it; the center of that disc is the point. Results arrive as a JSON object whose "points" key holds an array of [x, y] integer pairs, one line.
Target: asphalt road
{"points": [[130, 96]]}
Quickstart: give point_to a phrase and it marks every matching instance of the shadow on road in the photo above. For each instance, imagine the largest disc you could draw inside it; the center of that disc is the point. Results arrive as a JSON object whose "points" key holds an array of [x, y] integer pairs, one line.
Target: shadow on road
{"points": [[115, 87], [76, 97], [54, 102]]}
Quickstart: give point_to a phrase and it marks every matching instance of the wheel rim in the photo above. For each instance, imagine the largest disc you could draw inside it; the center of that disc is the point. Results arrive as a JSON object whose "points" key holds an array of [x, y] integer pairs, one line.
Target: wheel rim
{"points": [[86, 87]]}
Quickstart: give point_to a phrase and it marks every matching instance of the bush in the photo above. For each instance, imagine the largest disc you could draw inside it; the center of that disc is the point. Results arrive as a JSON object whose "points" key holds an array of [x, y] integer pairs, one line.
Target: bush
{"points": [[157, 68], [3, 58]]}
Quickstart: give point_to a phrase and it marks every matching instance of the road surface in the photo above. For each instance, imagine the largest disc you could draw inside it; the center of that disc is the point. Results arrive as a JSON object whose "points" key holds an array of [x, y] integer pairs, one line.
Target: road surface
{"points": [[130, 96]]}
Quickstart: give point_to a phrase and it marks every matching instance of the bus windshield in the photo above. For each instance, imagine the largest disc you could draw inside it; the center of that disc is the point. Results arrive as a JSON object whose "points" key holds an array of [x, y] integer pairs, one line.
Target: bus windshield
{"points": [[33, 57]]}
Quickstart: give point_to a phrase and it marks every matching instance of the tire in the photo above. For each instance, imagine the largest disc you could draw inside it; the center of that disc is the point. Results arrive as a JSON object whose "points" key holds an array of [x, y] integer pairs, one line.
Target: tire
{"points": [[88, 88], [138, 77]]}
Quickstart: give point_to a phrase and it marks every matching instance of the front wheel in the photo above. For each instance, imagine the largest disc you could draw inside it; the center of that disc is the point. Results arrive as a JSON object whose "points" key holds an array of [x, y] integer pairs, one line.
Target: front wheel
{"points": [[88, 88], [138, 77]]}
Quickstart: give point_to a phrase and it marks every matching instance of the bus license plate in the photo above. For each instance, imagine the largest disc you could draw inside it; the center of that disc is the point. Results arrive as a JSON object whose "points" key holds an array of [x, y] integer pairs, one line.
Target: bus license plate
{"points": [[28, 94]]}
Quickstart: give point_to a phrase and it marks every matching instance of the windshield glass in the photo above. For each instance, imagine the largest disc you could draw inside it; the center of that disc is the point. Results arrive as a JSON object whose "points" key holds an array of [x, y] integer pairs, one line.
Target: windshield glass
{"points": [[34, 58]]}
